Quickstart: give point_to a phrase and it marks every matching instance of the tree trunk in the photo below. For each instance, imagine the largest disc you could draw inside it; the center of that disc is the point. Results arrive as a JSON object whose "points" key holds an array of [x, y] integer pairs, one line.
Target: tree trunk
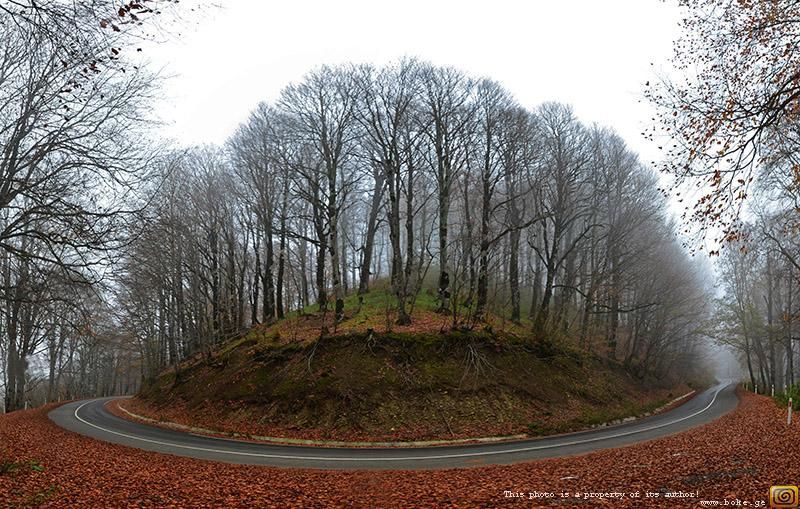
{"points": [[256, 283], [613, 316], [483, 255], [404, 318], [372, 223], [333, 244], [789, 318], [279, 307], [444, 212], [536, 285], [322, 294], [540, 325], [268, 281], [393, 216], [513, 275]]}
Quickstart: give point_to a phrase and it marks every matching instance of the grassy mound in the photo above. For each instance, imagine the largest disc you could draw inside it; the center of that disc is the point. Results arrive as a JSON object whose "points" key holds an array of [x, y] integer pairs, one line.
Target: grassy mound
{"points": [[424, 381]]}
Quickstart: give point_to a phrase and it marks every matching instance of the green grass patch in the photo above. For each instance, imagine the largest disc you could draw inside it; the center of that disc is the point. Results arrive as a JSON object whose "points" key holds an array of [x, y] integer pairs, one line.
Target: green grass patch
{"points": [[595, 416], [782, 398], [9, 467]]}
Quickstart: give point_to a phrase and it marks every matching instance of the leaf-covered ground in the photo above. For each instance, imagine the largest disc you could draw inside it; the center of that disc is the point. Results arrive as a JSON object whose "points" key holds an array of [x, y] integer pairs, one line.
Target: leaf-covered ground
{"points": [[737, 457]]}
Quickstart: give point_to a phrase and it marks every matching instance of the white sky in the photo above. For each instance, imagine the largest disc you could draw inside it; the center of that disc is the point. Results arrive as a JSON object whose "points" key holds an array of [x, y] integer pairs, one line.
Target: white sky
{"points": [[593, 55]]}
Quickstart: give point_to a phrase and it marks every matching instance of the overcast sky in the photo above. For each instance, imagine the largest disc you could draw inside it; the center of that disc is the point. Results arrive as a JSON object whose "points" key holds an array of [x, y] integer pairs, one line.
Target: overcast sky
{"points": [[593, 55]]}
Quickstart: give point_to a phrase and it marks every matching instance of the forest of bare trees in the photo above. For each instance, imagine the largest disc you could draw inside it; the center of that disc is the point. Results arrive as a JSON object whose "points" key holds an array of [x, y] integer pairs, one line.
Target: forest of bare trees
{"points": [[760, 280], [412, 177], [72, 116], [728, 124], [119, 262]]}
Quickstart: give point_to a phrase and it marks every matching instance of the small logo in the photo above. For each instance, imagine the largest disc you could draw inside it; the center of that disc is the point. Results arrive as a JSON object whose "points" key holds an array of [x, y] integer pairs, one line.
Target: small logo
{"points": [[783, 496]]}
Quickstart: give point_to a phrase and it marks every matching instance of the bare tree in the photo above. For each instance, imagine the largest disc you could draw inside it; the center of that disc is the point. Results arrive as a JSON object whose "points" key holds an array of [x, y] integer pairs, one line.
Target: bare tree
{"points": [[449, 110], [323, 107]]}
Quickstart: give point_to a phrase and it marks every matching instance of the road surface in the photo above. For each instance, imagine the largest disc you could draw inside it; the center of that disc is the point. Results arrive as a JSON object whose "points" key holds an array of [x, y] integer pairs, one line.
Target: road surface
{"points": [[90, 418]]}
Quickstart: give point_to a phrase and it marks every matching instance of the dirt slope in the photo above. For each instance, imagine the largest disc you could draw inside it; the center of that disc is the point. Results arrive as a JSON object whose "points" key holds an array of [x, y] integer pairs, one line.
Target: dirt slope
{"points": [[400, 385]]}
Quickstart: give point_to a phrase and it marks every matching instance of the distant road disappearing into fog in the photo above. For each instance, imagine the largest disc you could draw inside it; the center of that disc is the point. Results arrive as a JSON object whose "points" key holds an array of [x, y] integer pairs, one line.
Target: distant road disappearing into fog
{"points": [[90, 418]]}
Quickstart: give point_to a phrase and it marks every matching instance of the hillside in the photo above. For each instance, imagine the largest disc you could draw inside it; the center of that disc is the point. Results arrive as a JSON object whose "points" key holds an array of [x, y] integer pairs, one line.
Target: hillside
{"points": [[370, 380]]}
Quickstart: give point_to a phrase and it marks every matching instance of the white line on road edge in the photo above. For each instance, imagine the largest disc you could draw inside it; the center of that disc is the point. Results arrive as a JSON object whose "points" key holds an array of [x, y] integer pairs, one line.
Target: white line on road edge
{"points": [[402, 458]]}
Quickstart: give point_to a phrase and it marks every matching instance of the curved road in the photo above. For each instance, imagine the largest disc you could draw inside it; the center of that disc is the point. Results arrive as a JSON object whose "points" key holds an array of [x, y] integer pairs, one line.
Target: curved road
{"points": [[90, 418]]}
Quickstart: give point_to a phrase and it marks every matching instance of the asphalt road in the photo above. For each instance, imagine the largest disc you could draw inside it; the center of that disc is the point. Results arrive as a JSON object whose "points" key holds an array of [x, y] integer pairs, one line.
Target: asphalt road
{"points": [[90, 418]]}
